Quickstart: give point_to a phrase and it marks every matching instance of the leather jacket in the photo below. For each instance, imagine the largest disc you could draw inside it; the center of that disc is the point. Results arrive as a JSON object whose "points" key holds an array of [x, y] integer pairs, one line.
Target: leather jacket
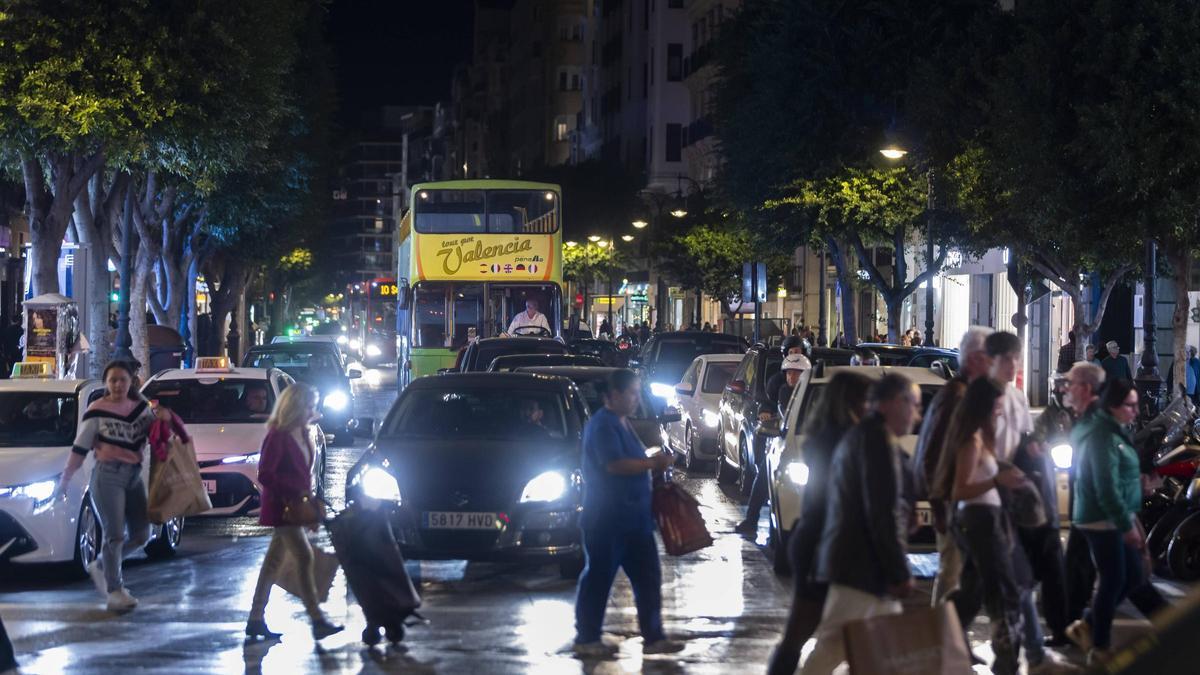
{"points": [[864, 543]]}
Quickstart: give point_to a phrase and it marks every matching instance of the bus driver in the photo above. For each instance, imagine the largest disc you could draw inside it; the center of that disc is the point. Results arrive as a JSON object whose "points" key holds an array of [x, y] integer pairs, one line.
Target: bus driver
{"points": [[530, 317]]}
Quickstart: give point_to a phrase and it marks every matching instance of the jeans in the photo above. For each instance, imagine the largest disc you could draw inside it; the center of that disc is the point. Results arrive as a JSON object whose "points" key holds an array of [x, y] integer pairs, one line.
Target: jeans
{"points": [[287, 540], [1081, 582], [808, 595], [1119, 567], [119, 494], [1044, 549], [950, 565], [988, 579], [758, 489], [844, 604], [605, 551], [1031, 627]]}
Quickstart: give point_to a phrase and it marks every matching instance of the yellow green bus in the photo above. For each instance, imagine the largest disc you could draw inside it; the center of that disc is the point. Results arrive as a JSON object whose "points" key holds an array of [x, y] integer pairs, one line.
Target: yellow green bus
{"points": [[471, 253]]}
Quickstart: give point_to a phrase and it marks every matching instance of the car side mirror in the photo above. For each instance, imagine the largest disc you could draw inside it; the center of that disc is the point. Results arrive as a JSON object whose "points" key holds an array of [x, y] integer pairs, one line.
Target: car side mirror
{"points": [[670, 414], [367, 426], [684, 389], [736, 387], [354, 373]]}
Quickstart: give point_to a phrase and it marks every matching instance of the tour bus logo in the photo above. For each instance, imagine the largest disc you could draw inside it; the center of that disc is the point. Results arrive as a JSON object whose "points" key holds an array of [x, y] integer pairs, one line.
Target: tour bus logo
{"points": [[456, 252]]}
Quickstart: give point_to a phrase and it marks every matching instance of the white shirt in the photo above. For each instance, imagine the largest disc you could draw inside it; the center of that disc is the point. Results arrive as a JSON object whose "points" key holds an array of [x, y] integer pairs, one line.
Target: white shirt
{"points": [[521, 320], [1013, 423]]}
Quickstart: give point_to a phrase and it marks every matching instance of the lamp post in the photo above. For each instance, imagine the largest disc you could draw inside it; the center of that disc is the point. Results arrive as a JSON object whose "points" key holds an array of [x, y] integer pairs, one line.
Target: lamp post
{"points": [[895, 153]]}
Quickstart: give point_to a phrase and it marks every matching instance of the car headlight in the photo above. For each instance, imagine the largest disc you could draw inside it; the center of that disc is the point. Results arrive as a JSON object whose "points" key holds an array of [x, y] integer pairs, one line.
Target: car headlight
{"points": [[342, 340], [546, 487], [337, 400], [355, 343], [662, 390], [1062, 455], [379, 484], [251, 458], [797, 472], [41, 492], [374, 350], [711, 419]]}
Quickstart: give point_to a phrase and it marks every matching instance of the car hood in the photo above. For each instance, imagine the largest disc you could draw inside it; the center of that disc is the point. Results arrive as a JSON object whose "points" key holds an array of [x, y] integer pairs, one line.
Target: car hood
{"points": [[26, 465], [214, 441], [489, 473]]}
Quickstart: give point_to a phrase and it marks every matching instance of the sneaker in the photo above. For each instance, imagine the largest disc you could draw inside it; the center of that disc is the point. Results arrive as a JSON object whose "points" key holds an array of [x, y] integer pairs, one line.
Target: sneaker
{"points": [[1081, 634], [97, 574], [663, 646], [121, 601], [595, 650], [1098, 657]]}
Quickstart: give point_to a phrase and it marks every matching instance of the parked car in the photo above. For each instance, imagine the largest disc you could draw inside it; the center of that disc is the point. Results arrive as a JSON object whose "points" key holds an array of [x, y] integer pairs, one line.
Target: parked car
{"points": [[648, 422], [470, 476], [785, 452], [665, 356], [225, 413], [914, 357], [38, 422], [697, 436], [317, 364], [511, 362], [744, 398], [478, 355]]}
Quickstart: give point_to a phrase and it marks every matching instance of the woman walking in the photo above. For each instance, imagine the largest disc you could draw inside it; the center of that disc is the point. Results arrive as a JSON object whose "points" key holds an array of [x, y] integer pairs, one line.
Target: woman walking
{"points": [[980, 524], [1108, 496], [116, 426], [841, 406], [285, 470]]}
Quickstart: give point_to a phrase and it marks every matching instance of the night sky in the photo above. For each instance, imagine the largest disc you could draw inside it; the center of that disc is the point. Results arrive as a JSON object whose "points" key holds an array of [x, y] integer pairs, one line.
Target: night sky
{"points": [[396, 51]]}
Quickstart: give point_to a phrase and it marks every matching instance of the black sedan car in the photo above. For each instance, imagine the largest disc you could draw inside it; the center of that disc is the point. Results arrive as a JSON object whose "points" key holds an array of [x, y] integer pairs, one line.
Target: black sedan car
{"points": [[510, 362], [480, 354], [317, 364], [912, 357], [665, 356], [611, 353], [481, 467]]}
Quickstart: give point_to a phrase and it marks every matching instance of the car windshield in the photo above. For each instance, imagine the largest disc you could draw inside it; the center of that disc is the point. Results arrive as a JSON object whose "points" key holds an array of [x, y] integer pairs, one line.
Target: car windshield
{"points": [[37, 420], [673, 357], [717, 376], [479, 412], [488, 353], [299, 363], [216, 400]]}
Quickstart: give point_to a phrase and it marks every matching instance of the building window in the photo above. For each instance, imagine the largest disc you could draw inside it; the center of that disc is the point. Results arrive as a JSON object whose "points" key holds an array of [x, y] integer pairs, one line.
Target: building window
{"points": [[575, 84], [563, 126], [674, 62], [674, 142], [562, 80]]}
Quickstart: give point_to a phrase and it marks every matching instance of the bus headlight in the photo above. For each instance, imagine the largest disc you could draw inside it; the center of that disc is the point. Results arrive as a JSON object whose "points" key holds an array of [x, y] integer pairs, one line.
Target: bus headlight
{"points": [[797, 472], [1062, 455], [711, 419]]}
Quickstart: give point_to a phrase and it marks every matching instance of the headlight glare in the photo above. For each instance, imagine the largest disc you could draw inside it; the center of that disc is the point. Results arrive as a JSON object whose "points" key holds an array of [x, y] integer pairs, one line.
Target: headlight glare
{"points": [[379, 484], [251, 458], [711, 419], [337, 400], [797, 472], [355, 343], [342, 339], [545, 487], [662, 390], [374, 350], [41, 492], [1062, 455]]}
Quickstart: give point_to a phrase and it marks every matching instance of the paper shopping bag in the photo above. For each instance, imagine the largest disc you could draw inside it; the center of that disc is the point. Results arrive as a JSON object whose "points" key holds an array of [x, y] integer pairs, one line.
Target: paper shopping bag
{"points": [[679, 520], [918, 642], [325, 567], [176, 488]]}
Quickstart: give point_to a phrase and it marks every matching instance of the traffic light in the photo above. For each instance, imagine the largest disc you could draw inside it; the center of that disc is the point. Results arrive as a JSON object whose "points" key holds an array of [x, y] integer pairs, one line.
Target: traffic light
{"points": [[579, 299], [114, 296]]}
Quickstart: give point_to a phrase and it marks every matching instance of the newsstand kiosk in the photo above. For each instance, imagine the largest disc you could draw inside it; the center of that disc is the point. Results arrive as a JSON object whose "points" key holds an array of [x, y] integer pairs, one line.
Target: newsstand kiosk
{"points": [[52, 332]]}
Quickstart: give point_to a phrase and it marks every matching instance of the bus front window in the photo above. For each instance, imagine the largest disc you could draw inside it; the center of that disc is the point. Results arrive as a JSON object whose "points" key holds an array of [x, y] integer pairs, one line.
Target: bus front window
{"points": [[429, 316], [506, 302], [468, 313], [445, 211], [521, 211]]}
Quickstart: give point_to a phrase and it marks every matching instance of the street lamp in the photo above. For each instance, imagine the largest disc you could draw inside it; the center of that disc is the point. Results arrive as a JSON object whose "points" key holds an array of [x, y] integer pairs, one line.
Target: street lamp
{"points": [[640, 224], [894, 152], [571, 244], [627, 238], [594, 238], [679, 213]]}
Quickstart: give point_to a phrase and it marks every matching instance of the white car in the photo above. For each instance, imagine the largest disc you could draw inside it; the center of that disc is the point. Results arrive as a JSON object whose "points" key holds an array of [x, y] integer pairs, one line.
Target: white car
{"points": [[226, 412], [785, 453], [698, 396], [38, 422]]}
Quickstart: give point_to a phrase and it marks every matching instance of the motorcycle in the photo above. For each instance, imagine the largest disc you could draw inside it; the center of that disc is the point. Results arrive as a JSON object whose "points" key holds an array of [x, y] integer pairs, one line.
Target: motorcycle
{"points": [[1172, 441]]}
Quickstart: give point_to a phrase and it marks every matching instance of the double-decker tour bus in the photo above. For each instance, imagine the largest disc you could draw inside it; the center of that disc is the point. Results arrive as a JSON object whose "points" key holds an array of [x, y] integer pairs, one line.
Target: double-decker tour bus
{"points": [[471, 253]]}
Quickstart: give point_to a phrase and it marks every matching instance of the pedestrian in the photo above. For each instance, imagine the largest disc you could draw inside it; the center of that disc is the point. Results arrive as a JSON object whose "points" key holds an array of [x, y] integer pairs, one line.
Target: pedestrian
{"points": [[841, 405], [606, 329], [285, 471], [1090, 355], [1108, 496], [618, 527], [839, 340], [980, 524], [864, 357], [1066, 353], [116, 427], [916, 339], [1193, 374], [928, 453], [863, 550], [1116, 367], [707, 327]]}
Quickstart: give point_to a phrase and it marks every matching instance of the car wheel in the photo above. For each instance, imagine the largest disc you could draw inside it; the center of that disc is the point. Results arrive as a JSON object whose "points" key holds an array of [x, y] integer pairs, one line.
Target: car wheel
{"points": [[88, 537], [745, 479], [570, 568], [167, 541], [689, 458], [320, 477], [724, 472], [1160, 535]]}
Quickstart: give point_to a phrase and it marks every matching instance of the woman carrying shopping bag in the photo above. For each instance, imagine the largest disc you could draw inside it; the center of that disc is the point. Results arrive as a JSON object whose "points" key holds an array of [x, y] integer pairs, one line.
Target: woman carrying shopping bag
{"points": [[285, 470], [116, 426]]}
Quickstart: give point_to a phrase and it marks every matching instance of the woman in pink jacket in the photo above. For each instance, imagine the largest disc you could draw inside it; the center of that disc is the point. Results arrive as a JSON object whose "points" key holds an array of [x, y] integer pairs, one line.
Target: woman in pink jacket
{"points": [[285, 470]]}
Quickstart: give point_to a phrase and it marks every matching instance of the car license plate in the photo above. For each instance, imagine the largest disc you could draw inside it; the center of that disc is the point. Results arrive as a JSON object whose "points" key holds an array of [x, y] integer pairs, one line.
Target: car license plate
{"points": [[924, 516], [210, 486], [458, 520]]}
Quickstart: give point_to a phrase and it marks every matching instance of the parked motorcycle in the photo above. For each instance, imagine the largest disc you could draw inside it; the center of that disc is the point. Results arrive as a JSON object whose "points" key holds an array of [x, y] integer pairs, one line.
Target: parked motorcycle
{"points": [[1172, 442]]}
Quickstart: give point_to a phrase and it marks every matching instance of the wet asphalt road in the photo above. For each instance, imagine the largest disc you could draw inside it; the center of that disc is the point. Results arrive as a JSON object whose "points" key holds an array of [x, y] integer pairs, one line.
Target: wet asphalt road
{"points": [[724, 601]]}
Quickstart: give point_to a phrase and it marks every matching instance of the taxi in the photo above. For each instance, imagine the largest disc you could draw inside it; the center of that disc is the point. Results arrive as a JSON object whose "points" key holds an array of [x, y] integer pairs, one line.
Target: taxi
{"points": [[226, 410], [39, 417]]}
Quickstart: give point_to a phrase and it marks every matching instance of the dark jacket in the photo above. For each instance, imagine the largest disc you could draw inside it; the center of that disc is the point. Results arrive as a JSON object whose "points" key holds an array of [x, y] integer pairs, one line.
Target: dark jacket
{"points": [[1066, 357], [932, 437], [1116, 368], [818, 455], [864, 543]]}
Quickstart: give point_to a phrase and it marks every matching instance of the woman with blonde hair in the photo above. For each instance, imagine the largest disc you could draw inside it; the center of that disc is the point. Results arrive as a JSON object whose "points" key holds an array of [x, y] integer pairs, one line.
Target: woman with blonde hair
{"points": [[285, 470]]}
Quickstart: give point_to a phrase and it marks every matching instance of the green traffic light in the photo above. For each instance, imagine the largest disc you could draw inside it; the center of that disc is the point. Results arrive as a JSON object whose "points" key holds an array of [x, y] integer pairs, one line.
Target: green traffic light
{"points": [[114, 296]]}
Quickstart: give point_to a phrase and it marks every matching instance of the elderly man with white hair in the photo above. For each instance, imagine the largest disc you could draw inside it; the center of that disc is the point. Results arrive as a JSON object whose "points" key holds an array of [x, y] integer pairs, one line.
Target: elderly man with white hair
{"points": [[1116, 367], [973, 364]]}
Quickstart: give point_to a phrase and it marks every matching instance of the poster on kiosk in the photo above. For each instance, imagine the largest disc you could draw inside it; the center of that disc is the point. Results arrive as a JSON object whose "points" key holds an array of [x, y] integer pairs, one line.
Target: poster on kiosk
{"points": [[52, 333]]}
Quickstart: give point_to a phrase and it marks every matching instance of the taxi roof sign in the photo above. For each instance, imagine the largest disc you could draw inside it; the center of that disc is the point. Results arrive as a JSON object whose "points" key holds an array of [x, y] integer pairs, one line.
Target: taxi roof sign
{"points": [[213, 364], [31, 370]]}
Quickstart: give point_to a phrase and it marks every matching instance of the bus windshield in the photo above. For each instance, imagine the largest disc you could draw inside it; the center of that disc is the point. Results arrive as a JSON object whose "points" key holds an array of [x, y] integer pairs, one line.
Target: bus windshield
{"points": [[451, 314], [486, 212]]}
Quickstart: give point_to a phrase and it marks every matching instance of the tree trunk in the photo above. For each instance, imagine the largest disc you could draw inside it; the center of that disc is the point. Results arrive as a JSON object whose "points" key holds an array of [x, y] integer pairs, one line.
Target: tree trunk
{"points": [[846, 280], [233, 282], [894, 304], [137, 310], [1181, 262]]}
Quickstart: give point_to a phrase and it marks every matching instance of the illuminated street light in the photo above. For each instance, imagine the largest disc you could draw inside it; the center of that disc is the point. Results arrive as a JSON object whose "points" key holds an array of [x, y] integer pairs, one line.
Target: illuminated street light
{"points": [[571, 244], [639, 224], [627, 237], [893, 152], [679, 213], [594, 238], [602, 244]]}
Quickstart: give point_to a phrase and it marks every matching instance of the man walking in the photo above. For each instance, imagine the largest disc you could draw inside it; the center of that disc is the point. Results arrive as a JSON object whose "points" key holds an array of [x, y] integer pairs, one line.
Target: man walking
{"points": [[975, 364], [1116, 367], [864, 545]]}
